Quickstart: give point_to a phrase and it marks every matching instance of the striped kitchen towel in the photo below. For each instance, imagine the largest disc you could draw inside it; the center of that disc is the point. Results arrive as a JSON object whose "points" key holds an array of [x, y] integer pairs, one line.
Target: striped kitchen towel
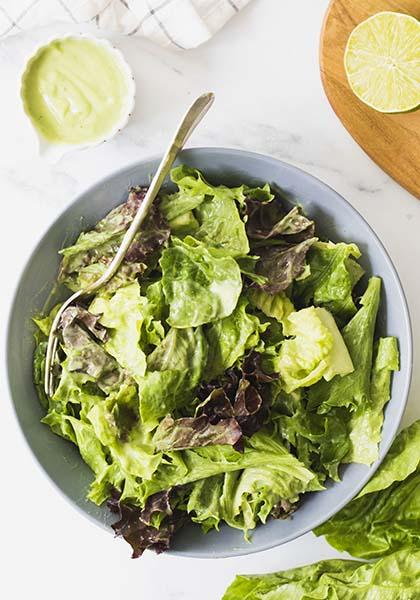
{"points": [[178, 24]]}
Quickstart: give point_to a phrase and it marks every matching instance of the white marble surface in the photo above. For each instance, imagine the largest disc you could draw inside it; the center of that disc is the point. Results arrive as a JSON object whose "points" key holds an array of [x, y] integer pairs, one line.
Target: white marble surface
{"points": [[264, 69]]}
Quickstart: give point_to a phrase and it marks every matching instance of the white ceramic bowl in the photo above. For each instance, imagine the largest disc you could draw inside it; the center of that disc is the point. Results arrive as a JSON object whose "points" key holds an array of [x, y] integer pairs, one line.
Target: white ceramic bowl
{"points": [[54, 151]]}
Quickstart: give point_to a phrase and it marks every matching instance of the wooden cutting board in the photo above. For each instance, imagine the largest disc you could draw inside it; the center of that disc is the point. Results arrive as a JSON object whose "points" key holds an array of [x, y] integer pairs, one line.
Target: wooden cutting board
{"points": [[391, 140]]}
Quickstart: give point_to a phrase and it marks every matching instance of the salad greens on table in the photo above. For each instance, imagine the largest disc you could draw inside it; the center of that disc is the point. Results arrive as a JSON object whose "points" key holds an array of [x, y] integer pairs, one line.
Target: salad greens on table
{"points": [[394, 577], [227, 369], [382, 522]]}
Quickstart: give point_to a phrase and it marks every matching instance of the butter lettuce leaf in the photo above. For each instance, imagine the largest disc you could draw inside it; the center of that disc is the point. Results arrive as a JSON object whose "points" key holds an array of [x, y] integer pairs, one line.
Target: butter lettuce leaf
{"points": [[321, 442], [243, 499], [193, 189], [221, 226], [392, 577], [175, 369], [315, 349], [124, 315], [230, 338], [384, 516], [188, 466], [199, 287]]}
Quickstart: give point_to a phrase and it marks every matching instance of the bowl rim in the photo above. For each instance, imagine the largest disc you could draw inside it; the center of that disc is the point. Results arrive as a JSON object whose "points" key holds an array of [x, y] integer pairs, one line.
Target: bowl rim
{"points": [[406, 321]]}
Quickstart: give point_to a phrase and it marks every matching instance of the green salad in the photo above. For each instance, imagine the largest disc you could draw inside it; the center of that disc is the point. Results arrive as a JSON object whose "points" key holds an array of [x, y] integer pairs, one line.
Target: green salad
{"points": [[229, 367]]}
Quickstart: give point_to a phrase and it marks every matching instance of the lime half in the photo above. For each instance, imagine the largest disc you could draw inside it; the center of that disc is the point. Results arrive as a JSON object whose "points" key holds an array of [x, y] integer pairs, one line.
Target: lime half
{"points": [[382, 62]]}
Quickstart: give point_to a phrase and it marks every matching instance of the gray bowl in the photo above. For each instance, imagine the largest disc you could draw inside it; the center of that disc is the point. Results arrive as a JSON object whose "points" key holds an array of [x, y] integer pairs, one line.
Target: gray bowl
{"points": [[335, 219]]}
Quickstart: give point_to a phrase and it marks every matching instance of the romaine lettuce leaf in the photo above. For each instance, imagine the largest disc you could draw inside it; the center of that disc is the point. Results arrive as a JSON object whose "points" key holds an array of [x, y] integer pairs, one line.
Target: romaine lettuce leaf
{"points": [[333, 274], [198, 286], [384, 517], [391, 578], [366, 422], [353, 389]]}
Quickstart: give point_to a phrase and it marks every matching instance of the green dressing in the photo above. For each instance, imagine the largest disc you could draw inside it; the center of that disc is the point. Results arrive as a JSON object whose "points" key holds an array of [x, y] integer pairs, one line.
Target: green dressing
{"points": [[75, 91]]}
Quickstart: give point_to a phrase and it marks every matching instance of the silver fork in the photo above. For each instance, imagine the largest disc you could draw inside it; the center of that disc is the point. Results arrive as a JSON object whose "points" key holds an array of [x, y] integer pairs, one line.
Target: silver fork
{"points": [[189, 122]]}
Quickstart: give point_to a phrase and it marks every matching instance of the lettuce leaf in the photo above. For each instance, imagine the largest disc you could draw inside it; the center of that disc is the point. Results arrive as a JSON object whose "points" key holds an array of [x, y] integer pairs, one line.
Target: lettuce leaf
{"points": [[353, 389], [366, 422], [242, 393], [221, 227], [88, 358], [270, 220], [129, 445], [174, 370], [321, 442], [384, 517], [198, 286], [86, 260], [124, 315], [207, 212], [189, 432], [230, 338], [316, 349], [139, 527], [193, 189], [243, 499], [184, 224], [333, 274], [392, 577], [188, 466], [282, 264], [278, 306]]}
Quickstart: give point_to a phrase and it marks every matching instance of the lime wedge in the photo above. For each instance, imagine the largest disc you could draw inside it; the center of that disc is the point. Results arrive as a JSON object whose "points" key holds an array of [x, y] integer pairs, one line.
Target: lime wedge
{"points": [[382, 62]]}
